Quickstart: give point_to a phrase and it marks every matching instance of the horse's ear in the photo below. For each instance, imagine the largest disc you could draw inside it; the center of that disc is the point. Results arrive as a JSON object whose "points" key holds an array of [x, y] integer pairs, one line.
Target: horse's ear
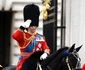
{"points": [[77, 49], [72, 48]]}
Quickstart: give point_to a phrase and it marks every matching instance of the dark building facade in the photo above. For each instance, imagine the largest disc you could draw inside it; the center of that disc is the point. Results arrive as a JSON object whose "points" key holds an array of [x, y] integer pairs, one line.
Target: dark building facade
{"points": [[5, 34]]}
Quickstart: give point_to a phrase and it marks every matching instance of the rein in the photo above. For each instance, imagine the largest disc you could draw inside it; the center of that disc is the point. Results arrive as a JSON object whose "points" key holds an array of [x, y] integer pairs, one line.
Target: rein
{"points": [[68, 64], [40, 68], [39, 65]]}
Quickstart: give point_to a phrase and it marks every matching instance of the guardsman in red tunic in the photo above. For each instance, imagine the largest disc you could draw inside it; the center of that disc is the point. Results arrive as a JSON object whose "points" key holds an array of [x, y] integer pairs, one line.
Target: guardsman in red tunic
{"points": [[28, 39]]}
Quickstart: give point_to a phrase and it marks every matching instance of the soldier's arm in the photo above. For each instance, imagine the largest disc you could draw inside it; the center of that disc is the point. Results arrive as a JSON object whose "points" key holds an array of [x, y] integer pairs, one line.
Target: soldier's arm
{"points": [[18, 35]]}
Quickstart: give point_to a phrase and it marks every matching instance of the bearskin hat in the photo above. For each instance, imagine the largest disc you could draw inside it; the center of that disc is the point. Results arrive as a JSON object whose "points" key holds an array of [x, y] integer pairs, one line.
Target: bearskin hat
{"points": [[31, 12]]}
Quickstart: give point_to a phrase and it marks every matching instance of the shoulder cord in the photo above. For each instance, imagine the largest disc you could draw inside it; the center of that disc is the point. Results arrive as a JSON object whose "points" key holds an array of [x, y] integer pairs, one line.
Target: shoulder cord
{"points": [[25, 40]]}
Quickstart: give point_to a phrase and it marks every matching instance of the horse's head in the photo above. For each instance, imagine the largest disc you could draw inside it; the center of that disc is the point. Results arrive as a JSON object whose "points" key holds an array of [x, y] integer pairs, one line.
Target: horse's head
{"points": [[72, 59]]}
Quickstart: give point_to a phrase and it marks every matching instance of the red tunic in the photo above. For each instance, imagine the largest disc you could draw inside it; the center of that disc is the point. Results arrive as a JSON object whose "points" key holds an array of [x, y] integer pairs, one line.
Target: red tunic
{"points": [[83, 68], [25, 42]]}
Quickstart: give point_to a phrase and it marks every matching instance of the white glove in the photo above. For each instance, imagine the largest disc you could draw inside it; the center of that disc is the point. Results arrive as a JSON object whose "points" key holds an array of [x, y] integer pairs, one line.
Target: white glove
{"points": [[43, 56], [26, 24]]}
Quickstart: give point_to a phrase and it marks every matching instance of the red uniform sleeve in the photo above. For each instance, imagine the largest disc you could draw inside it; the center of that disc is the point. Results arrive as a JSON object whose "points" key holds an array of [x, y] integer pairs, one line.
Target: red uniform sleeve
{"points": [[45, 46], [18, 35]]}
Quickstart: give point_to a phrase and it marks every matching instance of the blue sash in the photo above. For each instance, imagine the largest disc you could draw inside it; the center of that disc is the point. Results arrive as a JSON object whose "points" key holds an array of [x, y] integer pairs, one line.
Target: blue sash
{"points": [[32, 45]]}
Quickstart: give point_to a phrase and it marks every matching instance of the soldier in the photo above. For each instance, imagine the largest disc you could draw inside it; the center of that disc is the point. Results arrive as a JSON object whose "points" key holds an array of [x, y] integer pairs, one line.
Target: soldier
{"points": [[28, 39]]}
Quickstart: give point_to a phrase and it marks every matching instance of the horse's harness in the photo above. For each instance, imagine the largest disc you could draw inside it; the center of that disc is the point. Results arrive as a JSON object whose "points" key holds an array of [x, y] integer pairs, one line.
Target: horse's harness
{"points": [[78, 62]]}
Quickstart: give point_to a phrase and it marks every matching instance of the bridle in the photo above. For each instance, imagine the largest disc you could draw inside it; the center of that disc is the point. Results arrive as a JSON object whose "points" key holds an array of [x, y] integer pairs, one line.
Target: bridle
{"points": [[69, 65]]}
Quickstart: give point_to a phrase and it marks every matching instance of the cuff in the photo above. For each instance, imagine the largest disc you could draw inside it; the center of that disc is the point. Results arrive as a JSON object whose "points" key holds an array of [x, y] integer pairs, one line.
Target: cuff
{"points": [[47, 51]]}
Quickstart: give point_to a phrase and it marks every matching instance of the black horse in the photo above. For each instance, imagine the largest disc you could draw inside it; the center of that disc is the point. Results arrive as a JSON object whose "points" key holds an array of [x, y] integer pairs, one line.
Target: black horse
{"points": [[64, 59]]}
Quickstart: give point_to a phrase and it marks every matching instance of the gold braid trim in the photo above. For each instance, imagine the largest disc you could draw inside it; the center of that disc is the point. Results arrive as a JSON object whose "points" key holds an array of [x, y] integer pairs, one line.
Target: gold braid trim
{"points": [[25, 40]]}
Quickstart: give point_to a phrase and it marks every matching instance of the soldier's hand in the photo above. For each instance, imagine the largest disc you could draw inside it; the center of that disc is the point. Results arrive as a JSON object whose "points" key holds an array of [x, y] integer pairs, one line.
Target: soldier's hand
{"points": [[43, 56], [25, 25]]}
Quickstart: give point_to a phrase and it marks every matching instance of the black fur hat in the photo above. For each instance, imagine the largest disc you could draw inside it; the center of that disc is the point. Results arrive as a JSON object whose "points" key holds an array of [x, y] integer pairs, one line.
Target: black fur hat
{"points": [[32, 12]]}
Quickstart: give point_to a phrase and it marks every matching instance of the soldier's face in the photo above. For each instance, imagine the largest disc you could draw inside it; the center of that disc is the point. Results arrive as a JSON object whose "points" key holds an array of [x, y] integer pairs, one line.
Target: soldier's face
{"points": [[32, 29]]}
